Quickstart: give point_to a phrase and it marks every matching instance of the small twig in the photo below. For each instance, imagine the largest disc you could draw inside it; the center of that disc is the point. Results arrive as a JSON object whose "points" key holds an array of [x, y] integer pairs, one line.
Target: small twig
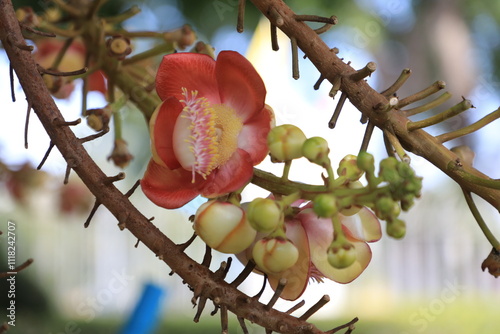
{"points": [[94, 136], [336, 329], [448, 113], [243, 326], [435, 87], [338, 109], [11, 75], [111, 179], [296, 307], [224, 319], [73, 11], [261, 291], [92, 213], [364, 72], [244, 274], [241, 15], [207, 258], [325, 299], [134, 10], [277, 293], [318, 83], [134, 187], [26, 124], [59, 122], [428, 106], [61, 74], [295, 58], [405, 74], [480, 221], [46, 155], [385, 107], [186, 244], [394, 142], [367, 136], [470, 128]]}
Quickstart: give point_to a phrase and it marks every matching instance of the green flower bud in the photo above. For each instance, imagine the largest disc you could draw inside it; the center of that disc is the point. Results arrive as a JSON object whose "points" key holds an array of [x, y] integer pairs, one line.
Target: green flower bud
{"points": [[348, 168], [366, 162], [341, 256], [223, 226], [264, 214], [386, 207], [275, 255], [285, 142], [316, 150], [396, 228], [388, 171], [325, 205]]}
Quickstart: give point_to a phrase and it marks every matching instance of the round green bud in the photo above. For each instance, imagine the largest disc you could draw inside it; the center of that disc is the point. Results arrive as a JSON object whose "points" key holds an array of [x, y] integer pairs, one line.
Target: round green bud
{"points": [[275, 255], [341, 257], [223, 226], [348, 168], [285, 142], [316, 150], [366, 162], [325, 205], [396, 228], [264, 214], [386, 207]]}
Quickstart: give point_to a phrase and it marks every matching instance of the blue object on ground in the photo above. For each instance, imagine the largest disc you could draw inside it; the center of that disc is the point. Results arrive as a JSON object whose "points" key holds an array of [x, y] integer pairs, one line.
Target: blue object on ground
{"points": [[144, 317]]}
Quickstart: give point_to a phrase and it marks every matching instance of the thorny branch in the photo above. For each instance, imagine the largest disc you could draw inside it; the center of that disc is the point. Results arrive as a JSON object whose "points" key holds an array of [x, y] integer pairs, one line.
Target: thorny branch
{"points": [[366, 99], [197, 276]]}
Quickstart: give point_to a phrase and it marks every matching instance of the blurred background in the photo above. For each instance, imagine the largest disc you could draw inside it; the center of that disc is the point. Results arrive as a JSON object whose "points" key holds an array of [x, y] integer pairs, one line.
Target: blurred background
{"points": [[90, 280]]}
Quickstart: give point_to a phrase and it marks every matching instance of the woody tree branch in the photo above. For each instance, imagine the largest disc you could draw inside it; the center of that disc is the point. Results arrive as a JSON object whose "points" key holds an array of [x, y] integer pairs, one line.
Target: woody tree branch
{"points": [[198, 277], [369, 102]]}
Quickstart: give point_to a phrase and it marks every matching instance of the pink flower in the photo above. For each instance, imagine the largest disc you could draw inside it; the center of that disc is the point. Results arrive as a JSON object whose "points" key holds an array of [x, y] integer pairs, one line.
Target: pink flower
{"points": [[312, 236], [209, 131], [74, 59]]}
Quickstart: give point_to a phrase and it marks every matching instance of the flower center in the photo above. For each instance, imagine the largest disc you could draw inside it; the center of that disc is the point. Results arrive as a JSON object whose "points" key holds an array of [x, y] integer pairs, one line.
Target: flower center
{"points": [[209, 131]]}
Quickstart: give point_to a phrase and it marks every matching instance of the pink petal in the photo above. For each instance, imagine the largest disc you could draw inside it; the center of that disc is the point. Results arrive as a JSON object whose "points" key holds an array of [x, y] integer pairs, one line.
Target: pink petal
{"points": [[231, 176], [253, 135], [320, 234], [161, 129], [192, 71], [240, 85], [297, 276], [363, 226], [167, 188], [346, 275]]}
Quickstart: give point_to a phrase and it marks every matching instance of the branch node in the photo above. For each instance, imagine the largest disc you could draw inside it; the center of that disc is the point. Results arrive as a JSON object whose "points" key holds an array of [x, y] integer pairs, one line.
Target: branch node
{"points": [[276, 18], [405, 74], [111, 179], [385, 107], [364, 72], [325, 299], [92, 213], [277, 293], [59, 122]]}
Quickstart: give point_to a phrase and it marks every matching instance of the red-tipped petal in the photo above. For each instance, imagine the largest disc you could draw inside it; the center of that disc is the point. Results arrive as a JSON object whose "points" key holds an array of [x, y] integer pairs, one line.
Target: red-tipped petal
{"points": [[363, 226], [97, 82], [253, 135], [167, 188], [187, 70], [240, 85], [297, 276], [231, 176], [162, 125]]}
